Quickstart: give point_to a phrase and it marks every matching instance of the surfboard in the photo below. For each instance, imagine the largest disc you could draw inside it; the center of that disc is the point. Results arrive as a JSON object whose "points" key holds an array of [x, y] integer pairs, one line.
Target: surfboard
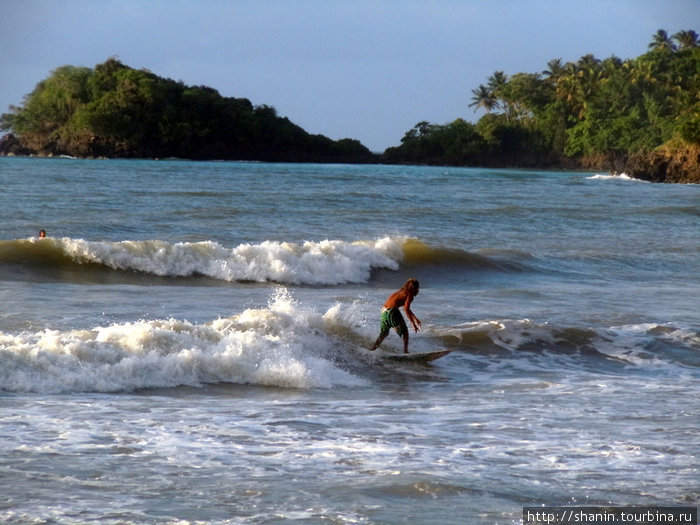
{"points": [[415, 357]]}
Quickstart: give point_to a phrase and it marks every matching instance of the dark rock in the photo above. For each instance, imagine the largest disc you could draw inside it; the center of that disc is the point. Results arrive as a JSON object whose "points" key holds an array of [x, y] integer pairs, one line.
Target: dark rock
{"points": [[679, 166], [11, 145]]}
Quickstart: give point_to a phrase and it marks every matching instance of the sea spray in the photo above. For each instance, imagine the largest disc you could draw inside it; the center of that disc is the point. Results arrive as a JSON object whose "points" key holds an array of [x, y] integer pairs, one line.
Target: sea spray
{"points": [[283, 345]]}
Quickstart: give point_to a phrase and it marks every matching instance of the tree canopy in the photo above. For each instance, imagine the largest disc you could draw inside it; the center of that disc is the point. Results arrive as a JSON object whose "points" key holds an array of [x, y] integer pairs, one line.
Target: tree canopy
{"points": [[574, 111], [116, 111]]}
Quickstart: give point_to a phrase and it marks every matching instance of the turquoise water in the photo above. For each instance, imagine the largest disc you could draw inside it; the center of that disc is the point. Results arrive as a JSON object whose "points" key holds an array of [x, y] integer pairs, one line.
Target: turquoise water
{"points": [[187, 343]]}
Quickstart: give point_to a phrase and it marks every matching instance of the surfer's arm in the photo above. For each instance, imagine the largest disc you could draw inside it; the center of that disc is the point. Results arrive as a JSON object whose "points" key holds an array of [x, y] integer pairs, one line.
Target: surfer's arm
{"points": [[411, 316]]}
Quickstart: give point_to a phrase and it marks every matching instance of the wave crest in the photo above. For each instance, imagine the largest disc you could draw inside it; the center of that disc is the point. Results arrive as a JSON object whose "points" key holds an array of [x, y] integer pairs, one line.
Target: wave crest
{"points": [[316, 263], [666, 348], [418, 253], [283, 345], [327, 262]]}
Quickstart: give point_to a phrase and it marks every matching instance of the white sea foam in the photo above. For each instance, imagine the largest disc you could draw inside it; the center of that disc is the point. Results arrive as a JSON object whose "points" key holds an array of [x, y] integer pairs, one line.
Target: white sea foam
{"points": [[324, 262], [635, 343], [536, 344], [616, 176], [282, 345]]}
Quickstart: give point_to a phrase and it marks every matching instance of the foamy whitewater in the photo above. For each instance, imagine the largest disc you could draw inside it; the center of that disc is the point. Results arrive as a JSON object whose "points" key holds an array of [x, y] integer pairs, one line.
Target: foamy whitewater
{"points": [[188, 344], [325, 262]]}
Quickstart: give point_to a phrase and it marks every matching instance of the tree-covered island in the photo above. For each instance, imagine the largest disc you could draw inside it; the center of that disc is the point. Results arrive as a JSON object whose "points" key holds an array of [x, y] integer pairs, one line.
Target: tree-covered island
{"points": [[640, 116], [116, 111]]}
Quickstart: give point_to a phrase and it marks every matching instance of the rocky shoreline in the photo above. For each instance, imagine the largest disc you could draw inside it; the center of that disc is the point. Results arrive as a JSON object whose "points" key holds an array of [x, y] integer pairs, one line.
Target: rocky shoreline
{"points": [[681, 166]]}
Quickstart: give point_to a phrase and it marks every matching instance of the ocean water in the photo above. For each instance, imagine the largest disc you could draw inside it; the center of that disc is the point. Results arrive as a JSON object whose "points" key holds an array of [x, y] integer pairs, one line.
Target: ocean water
{"points": [[186, 346]]}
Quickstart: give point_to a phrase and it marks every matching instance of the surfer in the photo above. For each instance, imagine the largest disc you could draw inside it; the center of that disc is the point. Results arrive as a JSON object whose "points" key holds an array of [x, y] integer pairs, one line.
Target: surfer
{"points": [[391, 314], [42, 234]]}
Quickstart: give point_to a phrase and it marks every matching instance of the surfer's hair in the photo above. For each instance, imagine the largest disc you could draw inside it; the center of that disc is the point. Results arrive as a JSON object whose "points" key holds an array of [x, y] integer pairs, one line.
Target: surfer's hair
{"points": [[411, 286]]}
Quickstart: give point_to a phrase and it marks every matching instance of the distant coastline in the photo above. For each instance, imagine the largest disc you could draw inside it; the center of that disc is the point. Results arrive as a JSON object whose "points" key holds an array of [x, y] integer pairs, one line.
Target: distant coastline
{"points": [[13, 146], [640, 117], [681, 166]]}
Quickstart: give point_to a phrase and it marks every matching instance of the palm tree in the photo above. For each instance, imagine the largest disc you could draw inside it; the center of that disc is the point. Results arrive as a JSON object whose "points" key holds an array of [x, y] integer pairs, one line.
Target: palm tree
{"points": [[555, 70], [642, 72], [483, 98], [589, 75], [570, 88], [687, 39], [588, 62], [661, 41], [497, 82]]}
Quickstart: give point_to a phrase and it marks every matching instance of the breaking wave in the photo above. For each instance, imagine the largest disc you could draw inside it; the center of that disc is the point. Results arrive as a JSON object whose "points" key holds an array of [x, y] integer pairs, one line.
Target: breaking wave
{"points": [[327, 262], [289, 345], [658, 348], [323, 263], [282, 345]]}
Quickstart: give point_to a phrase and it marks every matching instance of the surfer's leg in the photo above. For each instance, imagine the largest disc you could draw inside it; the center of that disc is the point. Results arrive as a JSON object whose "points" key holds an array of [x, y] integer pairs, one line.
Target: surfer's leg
{"points": [[379, 341], [385, 325], [401, 328]]}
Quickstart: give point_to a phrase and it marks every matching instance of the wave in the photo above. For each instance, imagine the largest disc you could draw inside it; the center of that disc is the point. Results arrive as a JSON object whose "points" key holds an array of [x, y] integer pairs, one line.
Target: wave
{"points": [[419, 254], [327, 262], [289, 345], [665, 348], [283, 345], [322, 263]]}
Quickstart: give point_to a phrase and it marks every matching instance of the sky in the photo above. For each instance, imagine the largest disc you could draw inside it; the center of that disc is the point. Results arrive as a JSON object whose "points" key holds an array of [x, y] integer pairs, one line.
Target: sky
{"points": [[361, 69]]}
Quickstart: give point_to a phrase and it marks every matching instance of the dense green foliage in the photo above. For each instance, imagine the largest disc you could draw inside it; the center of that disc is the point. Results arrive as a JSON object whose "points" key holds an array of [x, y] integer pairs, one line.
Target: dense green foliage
{"points": [[584, 112], [114, 110], [581, 110]]}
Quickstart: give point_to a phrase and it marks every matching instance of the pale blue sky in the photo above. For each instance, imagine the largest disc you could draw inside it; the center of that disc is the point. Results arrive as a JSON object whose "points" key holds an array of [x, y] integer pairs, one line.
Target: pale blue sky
{"points": [[364, 69]]}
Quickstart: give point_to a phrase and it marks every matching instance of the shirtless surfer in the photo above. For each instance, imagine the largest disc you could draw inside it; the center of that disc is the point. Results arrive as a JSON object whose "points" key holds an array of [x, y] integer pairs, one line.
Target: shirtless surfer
{"points": [[391, 314]]}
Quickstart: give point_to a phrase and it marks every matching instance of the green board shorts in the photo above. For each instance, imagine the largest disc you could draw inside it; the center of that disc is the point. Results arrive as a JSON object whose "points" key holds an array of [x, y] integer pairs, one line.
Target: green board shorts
{"points": [[392, 318]]}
